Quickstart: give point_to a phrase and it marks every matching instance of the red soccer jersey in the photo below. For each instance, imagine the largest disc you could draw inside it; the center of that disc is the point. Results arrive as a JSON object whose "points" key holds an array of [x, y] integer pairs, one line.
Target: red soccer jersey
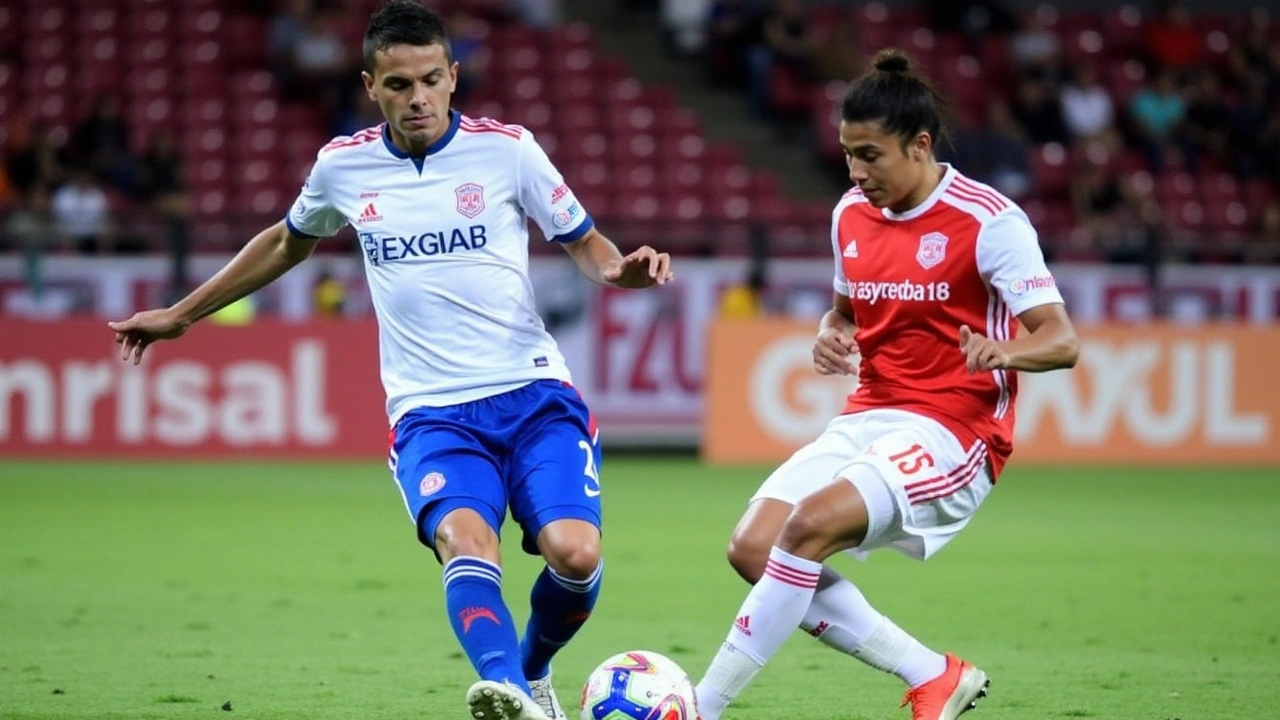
{"points": [[967, 255]]}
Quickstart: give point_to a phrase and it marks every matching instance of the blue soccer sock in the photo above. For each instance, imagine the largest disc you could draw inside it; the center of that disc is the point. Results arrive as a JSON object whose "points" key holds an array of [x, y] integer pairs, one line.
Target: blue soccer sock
{"points": [[559, 607], [481, 620]]}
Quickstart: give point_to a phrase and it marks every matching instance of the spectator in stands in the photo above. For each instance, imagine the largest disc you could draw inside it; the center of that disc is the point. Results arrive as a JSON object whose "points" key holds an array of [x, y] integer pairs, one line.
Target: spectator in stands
{"points": [[1172, 40], [329, 295], [1036, 50], [30, 228], [746, 299], [733, 27], [357, 113], [466, 39], [285, 33], [103, 139], [30, 157], [320, 60], [1208, 119], [976, 19], [1087, 110], [1268, 150], [1039, 113], [995, 152], [82, 214], [162, 187], [540, 14], [1100, 203], [1251, 54], [839, 56], [1248, 121], [788, 42], [1157, 111], [1264, 247]]}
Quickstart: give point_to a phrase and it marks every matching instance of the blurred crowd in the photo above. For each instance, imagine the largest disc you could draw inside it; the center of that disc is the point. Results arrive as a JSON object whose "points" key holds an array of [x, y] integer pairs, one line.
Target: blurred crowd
{"points": [[1128, 136], [1135, 136]]}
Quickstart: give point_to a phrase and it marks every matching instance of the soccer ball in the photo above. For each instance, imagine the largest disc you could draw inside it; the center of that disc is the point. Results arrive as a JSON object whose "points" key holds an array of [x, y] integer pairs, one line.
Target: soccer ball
{"points": [[638, 685]]}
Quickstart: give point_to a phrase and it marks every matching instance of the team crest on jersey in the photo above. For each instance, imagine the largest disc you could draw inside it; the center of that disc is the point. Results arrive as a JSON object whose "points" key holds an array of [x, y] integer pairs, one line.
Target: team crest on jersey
{"points": [[431, 484], [369, 243], [932, 250], [470, 199]]}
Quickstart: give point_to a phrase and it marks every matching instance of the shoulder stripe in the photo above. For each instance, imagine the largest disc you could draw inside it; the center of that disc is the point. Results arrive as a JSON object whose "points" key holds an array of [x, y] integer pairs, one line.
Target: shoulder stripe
{"points": [[988, 193], [363, 137], [485, 125], [975, 199], [978, 211]]}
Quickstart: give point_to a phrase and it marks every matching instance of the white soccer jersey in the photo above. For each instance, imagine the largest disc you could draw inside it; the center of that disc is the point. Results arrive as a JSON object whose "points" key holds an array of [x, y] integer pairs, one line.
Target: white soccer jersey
{"points": [[445, 241]]}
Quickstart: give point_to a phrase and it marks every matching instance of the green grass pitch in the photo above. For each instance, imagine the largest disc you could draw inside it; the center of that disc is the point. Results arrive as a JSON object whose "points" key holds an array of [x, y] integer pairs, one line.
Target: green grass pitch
{"points": [[297, 591]]}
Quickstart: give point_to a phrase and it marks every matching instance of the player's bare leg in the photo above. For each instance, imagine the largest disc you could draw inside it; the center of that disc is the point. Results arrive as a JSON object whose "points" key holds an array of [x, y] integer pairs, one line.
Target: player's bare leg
{"points": [[468, 549], [755, 535], [561, 601], [832, 519]]}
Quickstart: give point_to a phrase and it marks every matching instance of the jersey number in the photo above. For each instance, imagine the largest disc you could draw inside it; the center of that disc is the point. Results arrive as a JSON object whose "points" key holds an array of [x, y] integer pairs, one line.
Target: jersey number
{"points": [[912, 460], [592, 486]]}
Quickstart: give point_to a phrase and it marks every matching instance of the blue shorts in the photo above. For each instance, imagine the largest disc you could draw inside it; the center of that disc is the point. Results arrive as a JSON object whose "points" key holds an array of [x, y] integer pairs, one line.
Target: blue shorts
{"points": [[534, 449]]}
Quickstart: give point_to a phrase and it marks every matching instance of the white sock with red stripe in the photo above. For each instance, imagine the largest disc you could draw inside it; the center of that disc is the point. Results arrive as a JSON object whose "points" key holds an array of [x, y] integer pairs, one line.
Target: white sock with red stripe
{"points": [[772, 611], [841, 617]]}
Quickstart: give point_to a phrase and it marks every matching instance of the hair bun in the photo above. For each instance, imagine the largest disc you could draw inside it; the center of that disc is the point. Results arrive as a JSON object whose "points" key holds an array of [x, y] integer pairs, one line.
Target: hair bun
{"points": [[891, 60]]}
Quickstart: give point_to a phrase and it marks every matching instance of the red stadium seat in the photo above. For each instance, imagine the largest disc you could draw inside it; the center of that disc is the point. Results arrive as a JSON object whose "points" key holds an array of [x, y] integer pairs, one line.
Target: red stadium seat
{"points": [[10, 28], [209, 172], [1224, 216], [1049, 170], [684, 178], [575, 35], [638, 178], [580, 118], [150, 22], [1123, 30], [47, 20], [150, 52]]}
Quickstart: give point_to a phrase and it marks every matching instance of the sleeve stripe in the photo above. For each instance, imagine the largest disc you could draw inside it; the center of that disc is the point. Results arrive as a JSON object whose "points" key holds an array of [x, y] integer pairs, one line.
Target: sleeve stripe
{"points": [[583, 228], [293, 230]]}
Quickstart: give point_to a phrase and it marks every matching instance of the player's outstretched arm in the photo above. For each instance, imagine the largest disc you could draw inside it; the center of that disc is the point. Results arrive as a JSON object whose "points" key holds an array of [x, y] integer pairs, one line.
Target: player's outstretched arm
{"points": [[599, 259], [266, 257], [1050, 344]]}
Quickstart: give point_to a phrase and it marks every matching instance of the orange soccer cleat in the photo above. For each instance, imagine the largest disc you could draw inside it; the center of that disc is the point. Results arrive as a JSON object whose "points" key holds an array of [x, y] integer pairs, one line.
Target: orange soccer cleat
{"points": [[949, 695]]}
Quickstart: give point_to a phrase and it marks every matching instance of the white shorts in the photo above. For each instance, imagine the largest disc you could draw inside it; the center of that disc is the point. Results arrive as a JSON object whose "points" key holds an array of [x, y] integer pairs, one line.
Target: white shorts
{"points": [[895, 458]]}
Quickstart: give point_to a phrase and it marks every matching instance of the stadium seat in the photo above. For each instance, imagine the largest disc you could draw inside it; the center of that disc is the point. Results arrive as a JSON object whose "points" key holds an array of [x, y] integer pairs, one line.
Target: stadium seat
{"points": [[1123, 30], [1049, 170]]}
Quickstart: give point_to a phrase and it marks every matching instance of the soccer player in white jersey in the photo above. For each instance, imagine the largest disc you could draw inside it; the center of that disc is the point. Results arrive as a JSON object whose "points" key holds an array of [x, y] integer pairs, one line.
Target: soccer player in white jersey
{"points": [[483, 414], [933, 272]]}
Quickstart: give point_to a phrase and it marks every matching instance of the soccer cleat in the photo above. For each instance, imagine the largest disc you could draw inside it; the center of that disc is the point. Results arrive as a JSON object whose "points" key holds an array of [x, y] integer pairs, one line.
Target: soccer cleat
{"points": [[489, 700], [951, 694], [545, 695]]}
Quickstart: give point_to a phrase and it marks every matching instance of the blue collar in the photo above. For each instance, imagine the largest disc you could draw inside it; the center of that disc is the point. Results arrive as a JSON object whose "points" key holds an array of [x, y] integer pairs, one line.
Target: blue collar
{"points": [[455, 119]]}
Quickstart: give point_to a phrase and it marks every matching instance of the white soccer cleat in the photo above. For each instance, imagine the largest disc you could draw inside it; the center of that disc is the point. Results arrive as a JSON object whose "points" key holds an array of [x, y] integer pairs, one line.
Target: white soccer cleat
{"points": [[545, 695], [489, 700]]}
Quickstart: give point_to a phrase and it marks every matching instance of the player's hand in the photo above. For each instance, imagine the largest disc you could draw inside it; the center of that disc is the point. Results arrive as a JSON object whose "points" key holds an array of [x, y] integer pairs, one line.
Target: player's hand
{"points": [[981, 353], [833, 352], [643, 268], [135, 334]]}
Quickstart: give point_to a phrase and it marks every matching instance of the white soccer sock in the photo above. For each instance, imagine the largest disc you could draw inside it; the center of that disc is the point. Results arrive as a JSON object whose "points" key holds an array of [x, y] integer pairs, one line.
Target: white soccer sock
{"points": [[841, 617], [768, 616]]}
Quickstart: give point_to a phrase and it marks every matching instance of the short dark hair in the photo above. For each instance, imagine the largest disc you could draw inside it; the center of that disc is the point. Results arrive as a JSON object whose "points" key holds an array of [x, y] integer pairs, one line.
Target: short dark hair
{"points": [[903, 101], [403, 22]]}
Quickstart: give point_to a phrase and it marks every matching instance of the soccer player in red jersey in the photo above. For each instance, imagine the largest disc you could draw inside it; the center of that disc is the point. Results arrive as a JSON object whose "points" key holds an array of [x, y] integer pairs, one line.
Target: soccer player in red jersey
{"points": [[931, 270]]}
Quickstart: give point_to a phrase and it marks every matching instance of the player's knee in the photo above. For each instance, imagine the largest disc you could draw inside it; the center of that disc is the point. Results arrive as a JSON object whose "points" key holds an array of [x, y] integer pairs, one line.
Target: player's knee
{"points": [[806, 529], [572, 552], [747, 556], [577, 561], [464, 533]]}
